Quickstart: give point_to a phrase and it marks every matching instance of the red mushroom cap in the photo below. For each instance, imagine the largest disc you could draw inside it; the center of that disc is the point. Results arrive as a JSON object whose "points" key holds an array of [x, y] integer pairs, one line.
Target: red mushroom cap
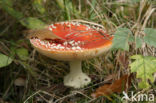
{"points": [[78, 42]]}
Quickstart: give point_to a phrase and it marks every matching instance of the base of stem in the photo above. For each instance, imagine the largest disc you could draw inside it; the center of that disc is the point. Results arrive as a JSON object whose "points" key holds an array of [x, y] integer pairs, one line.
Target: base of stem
{"points": [[76, 80]]}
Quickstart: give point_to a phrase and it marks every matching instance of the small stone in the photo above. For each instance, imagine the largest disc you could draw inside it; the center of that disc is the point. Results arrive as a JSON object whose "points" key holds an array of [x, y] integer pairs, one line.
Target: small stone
{"points": [[20, 82]]}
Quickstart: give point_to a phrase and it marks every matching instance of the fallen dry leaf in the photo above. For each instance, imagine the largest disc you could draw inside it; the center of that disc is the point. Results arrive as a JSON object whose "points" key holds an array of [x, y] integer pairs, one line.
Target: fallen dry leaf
{"points": [[41, 34], [116, 87]]}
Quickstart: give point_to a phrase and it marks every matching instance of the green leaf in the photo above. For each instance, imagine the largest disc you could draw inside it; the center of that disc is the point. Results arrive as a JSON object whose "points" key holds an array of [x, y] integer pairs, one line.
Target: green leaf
{"points": [[38, 4], [32, 23], [144, 66], [22, 53], [121, 39], [138, 42], [150, 37], [4, 60]]}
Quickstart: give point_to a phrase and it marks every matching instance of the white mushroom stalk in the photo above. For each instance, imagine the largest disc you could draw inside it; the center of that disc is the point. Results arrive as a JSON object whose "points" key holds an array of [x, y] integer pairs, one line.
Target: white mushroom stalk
{"points": [[76, 78]]}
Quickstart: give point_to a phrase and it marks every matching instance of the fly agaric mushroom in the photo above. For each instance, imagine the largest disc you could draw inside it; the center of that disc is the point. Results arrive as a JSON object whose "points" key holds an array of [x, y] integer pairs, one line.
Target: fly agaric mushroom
{"points": [[78, 42]]}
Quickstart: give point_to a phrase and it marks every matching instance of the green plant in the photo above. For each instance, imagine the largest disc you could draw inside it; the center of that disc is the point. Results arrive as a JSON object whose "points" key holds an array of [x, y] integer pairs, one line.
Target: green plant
{"points": [[144, 66], [4, 60]]}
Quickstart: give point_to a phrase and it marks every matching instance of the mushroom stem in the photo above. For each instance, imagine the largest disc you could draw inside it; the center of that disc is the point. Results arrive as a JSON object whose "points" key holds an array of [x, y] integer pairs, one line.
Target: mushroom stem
{"points": [[76, 78], [75, 67]]}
